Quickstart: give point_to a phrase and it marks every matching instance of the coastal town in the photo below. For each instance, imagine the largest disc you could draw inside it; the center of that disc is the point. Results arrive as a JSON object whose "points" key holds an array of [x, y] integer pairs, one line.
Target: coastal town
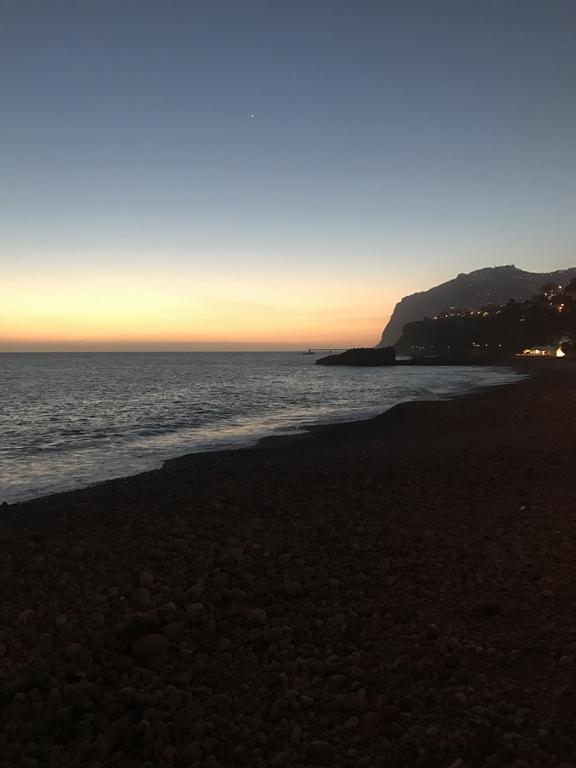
{"points": [[544, 325]]}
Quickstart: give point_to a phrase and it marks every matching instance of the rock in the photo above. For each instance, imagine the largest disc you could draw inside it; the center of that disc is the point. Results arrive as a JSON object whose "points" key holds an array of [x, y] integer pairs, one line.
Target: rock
{"points": [[141, 597], [196, 591], [274, 635], [148, 646], [55, 697], [191, 754], [319, 753], [146, 579], [74, 651], [115, 735], [223, 703], [292, 589], [201, 661], [182, 725], [282, 760], [370, 719], [357, 703], [220, 580], [195, 612], [296, 735], [125, 696], [28, 762], [136, 626], [77, 553], [338, 681], [256, 616], [441, 645], [351, 725], [238, 595], [361, 356], [486, 610], [174, 630]]}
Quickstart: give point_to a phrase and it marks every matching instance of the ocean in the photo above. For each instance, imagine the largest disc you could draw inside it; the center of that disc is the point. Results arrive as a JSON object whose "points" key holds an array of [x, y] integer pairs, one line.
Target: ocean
{"points": [[69, 420]]}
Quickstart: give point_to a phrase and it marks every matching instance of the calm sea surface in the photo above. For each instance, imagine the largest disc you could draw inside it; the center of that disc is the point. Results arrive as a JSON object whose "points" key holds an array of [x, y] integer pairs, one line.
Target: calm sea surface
{"points": [[68, 420]]}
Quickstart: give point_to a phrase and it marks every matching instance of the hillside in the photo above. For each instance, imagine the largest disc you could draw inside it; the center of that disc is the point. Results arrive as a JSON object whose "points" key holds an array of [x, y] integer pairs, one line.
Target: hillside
{"points": [[491, 285]]}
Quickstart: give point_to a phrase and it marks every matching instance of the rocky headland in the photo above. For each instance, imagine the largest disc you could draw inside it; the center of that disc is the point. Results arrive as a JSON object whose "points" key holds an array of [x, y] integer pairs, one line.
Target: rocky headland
{"points": [[364, 356], [491, 285]]}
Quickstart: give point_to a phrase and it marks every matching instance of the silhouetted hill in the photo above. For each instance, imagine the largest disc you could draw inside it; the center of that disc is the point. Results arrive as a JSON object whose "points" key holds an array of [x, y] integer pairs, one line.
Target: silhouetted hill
{"points": [[545, 325], [491, 285]]}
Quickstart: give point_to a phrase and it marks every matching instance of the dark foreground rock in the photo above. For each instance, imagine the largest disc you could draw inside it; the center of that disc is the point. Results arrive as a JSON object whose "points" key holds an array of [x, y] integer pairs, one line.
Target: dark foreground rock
{"points": [[366, 356], [394, 593]]}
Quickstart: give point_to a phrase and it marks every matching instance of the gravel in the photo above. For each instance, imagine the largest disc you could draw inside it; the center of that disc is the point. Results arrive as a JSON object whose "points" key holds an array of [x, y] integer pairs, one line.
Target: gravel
{"points": [[393, 594]]}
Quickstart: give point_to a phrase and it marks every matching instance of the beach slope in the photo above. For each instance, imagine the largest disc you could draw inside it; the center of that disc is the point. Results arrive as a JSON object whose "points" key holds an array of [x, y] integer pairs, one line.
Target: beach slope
{"points": [[397, 592]]}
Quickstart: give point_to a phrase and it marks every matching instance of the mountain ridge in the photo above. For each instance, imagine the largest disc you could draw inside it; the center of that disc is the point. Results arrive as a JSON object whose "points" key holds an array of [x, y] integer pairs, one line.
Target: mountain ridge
{"points": [[471, 290]]}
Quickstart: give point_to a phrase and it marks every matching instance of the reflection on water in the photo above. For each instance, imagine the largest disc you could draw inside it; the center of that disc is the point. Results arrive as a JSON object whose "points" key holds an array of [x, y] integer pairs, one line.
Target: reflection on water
{"points": [[71, 419]]}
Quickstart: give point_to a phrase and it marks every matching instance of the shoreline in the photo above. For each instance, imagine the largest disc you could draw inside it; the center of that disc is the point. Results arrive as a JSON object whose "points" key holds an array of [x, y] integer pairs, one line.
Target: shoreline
{"points": [[298, 433], [395, 592]]}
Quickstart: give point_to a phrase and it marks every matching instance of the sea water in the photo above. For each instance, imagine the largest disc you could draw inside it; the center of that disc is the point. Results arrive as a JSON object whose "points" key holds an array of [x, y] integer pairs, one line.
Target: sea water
{"points": [[68, 420]]}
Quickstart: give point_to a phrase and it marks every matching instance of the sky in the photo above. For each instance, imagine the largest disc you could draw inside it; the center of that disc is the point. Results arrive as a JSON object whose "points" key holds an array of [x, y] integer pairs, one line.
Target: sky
{"points": [[272, 174]]}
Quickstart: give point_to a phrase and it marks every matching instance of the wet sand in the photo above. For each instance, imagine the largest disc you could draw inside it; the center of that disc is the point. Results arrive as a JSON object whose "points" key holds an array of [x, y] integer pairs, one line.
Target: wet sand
{"points": [[397, 592]]}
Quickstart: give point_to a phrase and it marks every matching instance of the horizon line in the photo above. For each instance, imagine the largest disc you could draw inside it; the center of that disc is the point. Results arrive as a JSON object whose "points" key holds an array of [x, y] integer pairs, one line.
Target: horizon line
{"points": [[110, 350]]}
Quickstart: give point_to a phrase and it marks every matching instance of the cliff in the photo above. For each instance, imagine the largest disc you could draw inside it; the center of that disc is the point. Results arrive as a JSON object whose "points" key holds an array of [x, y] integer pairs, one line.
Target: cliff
{"points": [[491, 285]]}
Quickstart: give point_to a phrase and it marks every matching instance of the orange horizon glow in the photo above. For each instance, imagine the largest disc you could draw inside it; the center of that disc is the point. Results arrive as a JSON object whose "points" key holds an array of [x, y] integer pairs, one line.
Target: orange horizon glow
{"points": [[101, 310], [209, 175]]}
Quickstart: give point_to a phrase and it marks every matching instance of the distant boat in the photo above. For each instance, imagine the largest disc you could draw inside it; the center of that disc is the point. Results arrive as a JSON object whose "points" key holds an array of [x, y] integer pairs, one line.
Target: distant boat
{"points": [[310, 352]]}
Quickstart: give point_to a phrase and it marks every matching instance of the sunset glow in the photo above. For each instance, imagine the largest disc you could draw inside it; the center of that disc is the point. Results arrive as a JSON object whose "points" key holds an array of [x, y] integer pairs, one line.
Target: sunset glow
{"points": [[278, 176], [181, 309]]}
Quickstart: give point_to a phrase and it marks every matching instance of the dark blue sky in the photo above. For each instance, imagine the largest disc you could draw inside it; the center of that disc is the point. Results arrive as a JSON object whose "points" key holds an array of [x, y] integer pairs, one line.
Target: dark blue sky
{"points": [[392, 144]]}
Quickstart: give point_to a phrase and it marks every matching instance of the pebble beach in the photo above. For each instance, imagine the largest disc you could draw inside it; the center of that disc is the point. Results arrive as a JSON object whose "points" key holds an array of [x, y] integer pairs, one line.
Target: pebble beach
{"points": [[394, 592]]}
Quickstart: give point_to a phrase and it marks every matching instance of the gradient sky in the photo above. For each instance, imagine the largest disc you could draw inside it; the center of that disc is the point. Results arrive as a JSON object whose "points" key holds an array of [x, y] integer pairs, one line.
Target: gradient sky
{"points": [[182, 174]]}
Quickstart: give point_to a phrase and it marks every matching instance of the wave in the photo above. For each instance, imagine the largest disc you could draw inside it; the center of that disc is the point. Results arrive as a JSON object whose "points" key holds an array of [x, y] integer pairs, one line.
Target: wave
{"points": [[69, 421]]}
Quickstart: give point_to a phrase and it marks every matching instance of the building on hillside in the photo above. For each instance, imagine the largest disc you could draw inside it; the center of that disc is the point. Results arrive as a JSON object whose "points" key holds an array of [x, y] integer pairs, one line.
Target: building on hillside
{"points": [[546, 350]]}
